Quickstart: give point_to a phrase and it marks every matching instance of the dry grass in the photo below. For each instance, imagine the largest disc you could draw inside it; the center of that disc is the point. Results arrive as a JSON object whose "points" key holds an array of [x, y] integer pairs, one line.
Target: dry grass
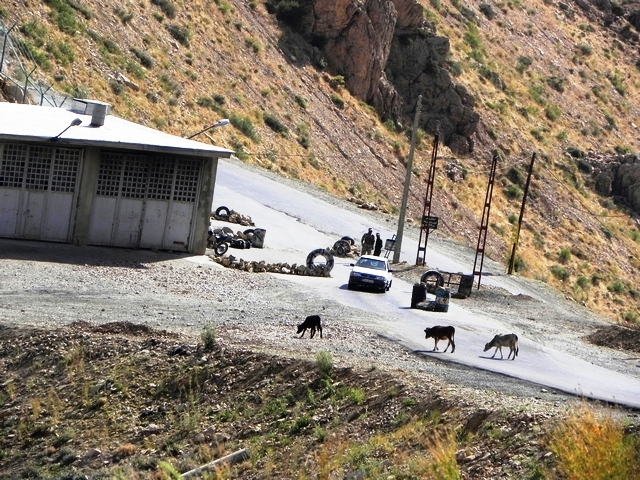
{"points": [[591, 448]]}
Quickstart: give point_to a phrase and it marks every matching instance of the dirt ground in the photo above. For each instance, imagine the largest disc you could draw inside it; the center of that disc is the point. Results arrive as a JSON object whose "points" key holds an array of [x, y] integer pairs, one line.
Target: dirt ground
{"points": [[103, 368]]}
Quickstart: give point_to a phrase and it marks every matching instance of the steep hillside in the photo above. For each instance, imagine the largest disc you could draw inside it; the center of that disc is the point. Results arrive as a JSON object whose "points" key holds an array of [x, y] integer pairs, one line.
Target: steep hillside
{"points": [[555, 78]]}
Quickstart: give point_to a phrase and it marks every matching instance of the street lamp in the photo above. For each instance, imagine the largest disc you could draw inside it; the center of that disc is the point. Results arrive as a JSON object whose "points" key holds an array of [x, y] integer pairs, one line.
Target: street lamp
{"points": [[219, 123], [74, 123]]}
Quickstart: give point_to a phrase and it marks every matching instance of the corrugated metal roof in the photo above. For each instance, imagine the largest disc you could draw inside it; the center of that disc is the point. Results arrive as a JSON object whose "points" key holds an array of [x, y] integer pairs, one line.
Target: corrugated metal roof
{"points": [[24, 123]]}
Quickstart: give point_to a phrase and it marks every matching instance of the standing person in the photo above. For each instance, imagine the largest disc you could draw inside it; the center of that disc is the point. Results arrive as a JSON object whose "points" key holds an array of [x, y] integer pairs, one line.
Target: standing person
{"points": [[367, 242], [378, 248]]}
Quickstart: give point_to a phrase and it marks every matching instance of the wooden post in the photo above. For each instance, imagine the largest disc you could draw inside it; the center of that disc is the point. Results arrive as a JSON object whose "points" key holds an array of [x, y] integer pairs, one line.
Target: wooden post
{"points": [[407, 183]]}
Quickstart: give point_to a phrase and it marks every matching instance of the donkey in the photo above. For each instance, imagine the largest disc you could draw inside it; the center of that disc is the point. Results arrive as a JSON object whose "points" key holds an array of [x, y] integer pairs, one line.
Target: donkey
{"points": [[441, 333], [509, 340]]}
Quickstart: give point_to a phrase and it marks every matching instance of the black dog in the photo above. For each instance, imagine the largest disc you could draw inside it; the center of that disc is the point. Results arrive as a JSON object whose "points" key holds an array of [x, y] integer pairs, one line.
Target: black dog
{"points": [[312, 322]]}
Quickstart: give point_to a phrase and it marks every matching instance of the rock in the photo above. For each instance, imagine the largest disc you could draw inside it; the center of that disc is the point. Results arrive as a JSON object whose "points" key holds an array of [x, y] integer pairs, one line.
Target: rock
{"points": [[92, 453]]}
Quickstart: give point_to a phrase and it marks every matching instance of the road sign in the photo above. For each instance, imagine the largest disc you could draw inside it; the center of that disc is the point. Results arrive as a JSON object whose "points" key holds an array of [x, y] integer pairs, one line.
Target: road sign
{"points": [[429, 222]]}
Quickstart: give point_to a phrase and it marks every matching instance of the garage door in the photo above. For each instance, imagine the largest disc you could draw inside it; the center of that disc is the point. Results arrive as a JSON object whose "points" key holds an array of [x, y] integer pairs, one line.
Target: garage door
{"points": [[146, 202], [38, 191]]}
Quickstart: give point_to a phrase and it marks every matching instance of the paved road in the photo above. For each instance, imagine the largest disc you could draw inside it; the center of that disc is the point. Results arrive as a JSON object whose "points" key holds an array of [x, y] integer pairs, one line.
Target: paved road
{"points": [[297, 223]]}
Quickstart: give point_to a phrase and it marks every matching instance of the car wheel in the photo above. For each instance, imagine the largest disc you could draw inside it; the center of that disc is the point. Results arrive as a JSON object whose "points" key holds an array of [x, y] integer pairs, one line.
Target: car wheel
{"points": [[349, 286]]}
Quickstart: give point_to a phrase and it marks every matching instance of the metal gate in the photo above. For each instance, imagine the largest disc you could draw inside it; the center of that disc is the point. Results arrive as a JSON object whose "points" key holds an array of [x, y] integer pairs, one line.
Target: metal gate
{"points": [[146, 202], [38, 191]]}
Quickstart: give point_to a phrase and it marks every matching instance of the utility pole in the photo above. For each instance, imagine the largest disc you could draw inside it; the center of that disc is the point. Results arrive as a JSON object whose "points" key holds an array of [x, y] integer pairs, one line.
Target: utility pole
{"points": [[516, 236], [407, 182]]}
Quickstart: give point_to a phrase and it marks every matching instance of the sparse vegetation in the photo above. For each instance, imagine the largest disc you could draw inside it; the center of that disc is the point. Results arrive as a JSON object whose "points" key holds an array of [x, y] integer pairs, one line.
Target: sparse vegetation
{"points": [[167, 7]]}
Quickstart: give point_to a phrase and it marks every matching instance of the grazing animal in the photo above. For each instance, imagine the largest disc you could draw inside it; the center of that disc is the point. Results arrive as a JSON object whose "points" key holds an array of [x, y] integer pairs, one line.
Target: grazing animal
{"points": [[312, 322], [441, 333], [510, 340]]}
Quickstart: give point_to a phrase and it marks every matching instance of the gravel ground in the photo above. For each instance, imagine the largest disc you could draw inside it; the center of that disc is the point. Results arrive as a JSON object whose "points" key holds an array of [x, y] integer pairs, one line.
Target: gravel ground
{"points": [[51, 284]]}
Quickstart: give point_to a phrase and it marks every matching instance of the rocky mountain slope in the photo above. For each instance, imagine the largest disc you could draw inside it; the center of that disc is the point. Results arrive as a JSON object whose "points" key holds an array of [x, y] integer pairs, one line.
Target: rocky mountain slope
{"points": [[329, 98]]}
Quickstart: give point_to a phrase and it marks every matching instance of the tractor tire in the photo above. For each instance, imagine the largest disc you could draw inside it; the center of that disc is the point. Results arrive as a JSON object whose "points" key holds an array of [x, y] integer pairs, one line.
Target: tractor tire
{"points": [[222, 212], [320, 252]]}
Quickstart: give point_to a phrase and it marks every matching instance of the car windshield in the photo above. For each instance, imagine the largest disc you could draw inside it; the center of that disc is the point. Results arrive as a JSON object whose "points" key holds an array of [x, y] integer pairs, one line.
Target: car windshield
{"points": [[370, 263]]}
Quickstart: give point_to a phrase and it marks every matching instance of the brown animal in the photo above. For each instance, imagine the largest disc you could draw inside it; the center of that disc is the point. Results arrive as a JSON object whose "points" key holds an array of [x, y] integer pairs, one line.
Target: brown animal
{"points": [[509, 340], [441, 333], [312, 322]]}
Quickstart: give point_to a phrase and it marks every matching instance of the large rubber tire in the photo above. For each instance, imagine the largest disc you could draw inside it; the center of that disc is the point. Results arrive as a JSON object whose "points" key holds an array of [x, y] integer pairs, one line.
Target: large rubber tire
{"points": [[342, 248], [349, 239], [248, 231], [222, 212], [221, 248], [433, 279], [318, 252]]}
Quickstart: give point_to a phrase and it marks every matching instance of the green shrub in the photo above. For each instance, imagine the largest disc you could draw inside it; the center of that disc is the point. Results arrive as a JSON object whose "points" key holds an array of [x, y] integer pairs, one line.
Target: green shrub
{"points": [[63, 16], [205, 102], [219, 99], [616, 287], [41, 58], [623, 149], [239, 150], [616, 81], [275, 124], [513, 192], [537, 134], [34, 31], [110, 45], [536, 92], [245, 125], [224, 7], [585, 50], [488, 11], [124, 16], [181, 34], [300, 100], [565, 255], [86, 13], [583, 282], [253, 44], [208, 337], [168, 8], [557, 83], [116, 87], [516, 175], [553, 112], [143, 57], [524, 62], [560, 272], [338, 101], [324, 361]]}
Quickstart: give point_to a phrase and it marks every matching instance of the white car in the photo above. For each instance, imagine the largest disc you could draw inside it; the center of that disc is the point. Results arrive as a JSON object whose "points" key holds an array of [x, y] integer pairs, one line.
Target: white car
{"points": [[371, 272]]}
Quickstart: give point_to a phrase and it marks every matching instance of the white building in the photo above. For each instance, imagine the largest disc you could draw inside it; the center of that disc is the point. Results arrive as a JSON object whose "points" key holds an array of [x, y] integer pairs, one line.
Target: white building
{"points": [[86, 177]]}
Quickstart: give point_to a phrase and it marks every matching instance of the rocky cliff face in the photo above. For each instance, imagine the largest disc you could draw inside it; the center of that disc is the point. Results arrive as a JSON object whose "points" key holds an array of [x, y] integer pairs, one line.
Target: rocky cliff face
{"points": [[389, 55], [618, 176]]}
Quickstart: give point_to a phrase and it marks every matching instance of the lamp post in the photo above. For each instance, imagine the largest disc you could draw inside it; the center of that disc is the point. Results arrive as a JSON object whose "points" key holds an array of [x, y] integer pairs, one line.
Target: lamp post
{"points": [[219, 123]]}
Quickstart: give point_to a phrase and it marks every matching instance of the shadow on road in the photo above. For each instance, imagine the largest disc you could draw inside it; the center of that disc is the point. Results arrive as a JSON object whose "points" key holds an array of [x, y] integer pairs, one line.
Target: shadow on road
{"points": [[36, 251]]}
